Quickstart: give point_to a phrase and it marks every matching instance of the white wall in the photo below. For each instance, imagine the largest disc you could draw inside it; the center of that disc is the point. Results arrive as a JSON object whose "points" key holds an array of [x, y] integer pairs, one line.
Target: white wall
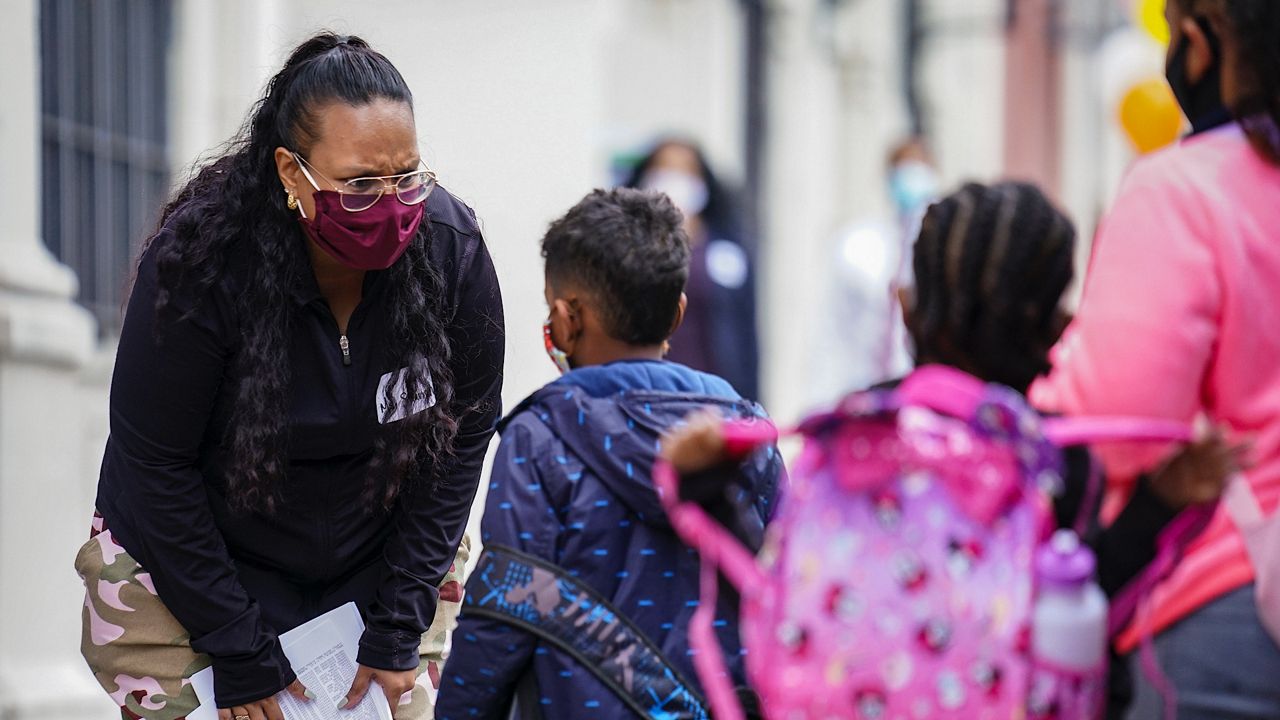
{"points": [[675, 65], [963, 86]]}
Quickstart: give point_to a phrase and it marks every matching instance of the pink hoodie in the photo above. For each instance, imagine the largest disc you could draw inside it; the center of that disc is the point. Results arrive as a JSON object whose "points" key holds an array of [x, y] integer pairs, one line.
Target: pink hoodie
{"points": [[1181, 316]]}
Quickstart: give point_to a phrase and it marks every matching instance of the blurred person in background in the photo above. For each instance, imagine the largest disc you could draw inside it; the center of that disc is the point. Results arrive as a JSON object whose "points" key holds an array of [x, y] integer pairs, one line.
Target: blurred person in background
{"points": [[1178, 320], [719, 333], [861, 339], [308, 377]]}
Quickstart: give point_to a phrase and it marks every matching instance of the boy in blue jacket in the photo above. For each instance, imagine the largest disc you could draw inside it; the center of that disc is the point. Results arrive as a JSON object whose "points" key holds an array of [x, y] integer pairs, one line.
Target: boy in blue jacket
{"points": [[580, 605]]}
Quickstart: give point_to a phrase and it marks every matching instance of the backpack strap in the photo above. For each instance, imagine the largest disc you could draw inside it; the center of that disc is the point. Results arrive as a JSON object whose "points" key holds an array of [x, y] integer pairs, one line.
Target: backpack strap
{"points": [[1068, 431], [720, 552], [542, 599], [1133, 601]]}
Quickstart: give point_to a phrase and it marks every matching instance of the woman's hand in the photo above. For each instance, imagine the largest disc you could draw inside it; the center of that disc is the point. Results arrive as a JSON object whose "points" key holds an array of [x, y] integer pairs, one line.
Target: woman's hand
{"points": [[265, 709], [1199, 472], [395, 684]]}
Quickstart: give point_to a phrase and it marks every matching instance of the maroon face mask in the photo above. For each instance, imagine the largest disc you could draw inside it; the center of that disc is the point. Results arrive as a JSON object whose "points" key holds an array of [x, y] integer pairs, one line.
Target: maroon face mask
{"points": [[371, 239]]}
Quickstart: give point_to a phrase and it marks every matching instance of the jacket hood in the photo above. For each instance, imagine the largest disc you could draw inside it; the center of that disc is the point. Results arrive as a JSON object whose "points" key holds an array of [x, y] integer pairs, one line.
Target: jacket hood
{"points": [[612, 417]]}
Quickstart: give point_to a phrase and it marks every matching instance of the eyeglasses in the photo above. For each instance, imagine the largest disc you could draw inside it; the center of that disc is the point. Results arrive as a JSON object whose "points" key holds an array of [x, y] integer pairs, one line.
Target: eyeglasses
{"points": [[361, 193]]}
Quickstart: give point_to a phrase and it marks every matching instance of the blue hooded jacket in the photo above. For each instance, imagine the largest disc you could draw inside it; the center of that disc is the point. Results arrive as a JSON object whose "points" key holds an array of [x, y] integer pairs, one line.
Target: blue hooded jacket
{"points": [[571, 486]]}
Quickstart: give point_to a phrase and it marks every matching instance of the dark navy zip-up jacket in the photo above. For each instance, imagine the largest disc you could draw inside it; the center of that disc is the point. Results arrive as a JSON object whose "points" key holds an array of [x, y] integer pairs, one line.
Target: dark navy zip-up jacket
{"points": [[235, 580], [571, 485]]}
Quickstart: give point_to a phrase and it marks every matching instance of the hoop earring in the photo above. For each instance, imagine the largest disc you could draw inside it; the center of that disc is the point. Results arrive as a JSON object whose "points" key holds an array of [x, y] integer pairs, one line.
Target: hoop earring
{"points": [[292, 202]]}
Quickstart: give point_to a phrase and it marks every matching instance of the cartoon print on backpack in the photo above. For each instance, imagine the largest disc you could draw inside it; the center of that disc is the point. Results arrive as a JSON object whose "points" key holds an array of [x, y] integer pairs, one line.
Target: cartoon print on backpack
{"points": [[888, 509], [935, 635], [909, 571], [871, 703], [793, 638], [951, 693], [962, 555], [844, 604], [987, 676]]}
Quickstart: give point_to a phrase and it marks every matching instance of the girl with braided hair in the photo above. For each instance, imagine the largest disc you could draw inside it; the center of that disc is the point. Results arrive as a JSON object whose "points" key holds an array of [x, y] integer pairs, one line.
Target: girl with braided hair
{"points": [[991, 264], [307, 380], [1179, 319]]}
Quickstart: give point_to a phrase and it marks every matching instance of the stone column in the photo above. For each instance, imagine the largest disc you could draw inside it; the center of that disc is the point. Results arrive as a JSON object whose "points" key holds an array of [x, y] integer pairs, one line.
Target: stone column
{"points": [[1033, 96], [45, 340]]}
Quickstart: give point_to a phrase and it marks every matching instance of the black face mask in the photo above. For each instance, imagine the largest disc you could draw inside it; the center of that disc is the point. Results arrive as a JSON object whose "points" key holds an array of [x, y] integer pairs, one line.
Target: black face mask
{"points": [[1202, 102]]}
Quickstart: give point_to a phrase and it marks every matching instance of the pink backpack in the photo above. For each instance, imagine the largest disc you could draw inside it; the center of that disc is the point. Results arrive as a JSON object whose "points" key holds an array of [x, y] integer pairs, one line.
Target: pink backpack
{"points": [[897, 578]]}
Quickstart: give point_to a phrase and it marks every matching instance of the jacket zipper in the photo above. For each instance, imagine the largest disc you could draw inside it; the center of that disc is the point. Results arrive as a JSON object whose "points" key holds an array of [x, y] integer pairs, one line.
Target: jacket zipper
{"points": [[345, 344]]}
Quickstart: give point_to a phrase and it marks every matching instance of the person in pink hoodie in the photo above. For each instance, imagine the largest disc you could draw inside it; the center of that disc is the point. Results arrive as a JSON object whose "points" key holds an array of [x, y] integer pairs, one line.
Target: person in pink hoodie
{"points": [[1180, 319]]}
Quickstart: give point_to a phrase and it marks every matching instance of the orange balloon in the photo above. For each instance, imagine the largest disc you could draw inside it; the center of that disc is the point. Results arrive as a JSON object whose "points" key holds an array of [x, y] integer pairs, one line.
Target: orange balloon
{"points": [[1150, 115]]}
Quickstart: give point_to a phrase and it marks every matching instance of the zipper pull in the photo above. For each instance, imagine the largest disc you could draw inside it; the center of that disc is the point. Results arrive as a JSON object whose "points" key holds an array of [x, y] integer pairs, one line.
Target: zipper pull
{"points": [[346, 350]]}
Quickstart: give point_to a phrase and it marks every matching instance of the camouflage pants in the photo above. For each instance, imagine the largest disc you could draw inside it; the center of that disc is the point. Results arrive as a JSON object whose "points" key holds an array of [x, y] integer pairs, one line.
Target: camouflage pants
{"points": [[142, 656]]}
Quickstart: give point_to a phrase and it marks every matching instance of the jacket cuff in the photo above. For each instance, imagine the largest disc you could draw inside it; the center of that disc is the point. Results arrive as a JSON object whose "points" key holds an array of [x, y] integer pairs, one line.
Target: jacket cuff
{"points": [[396, 650], [249, 678]]}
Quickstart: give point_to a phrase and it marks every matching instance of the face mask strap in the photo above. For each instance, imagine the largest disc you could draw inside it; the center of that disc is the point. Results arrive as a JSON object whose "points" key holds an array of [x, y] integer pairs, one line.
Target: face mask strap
{"points": [[558, 356]]}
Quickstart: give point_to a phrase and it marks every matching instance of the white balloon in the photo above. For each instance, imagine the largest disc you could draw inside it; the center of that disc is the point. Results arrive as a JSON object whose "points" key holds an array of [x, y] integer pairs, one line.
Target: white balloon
{"points": [[1127, 57]]}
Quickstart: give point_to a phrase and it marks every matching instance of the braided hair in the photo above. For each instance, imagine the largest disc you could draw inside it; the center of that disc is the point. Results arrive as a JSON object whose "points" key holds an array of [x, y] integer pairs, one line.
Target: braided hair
{"points": [[1252, 28], [234, 203], [991, 264]]}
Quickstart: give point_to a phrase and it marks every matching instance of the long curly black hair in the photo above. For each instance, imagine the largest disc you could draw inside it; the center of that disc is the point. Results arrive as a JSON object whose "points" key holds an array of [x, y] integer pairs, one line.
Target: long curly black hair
{"points": [[235, 203]]}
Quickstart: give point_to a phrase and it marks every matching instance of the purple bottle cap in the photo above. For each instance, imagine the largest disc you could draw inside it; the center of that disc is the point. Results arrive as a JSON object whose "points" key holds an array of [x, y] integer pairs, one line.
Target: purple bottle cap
{"points": [[1064, 562]]}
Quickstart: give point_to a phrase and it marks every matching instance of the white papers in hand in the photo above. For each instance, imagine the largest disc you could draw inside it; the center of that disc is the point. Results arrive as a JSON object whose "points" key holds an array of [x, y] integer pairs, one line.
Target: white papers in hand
{"points": [[323, 654]]}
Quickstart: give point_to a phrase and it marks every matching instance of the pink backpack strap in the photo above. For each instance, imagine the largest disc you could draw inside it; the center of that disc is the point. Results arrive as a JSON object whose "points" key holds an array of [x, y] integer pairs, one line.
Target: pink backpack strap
{"points": [[698, 530], [955, 393], [720, 551], [1131, 602], [1173, 539], [1068, 431], [708, 658], [717, 550]]}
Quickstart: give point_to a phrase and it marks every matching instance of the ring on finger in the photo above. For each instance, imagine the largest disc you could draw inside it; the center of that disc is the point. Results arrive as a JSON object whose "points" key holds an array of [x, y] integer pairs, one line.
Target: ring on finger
{"points": [[242, 716]]}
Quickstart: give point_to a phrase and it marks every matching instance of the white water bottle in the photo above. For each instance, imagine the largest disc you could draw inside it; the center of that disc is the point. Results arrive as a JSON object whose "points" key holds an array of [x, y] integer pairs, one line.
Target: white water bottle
{"points": [[1069, 622]]}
